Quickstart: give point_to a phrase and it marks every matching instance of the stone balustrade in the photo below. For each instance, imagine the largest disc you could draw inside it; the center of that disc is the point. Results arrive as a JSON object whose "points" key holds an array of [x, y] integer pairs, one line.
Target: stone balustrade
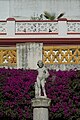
{"points": [[61, 27], [3, 27]]}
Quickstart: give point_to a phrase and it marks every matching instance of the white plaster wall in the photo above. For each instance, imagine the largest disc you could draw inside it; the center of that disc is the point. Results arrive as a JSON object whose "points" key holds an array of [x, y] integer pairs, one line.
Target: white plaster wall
{"points": [[4, 9], [24, 9]]}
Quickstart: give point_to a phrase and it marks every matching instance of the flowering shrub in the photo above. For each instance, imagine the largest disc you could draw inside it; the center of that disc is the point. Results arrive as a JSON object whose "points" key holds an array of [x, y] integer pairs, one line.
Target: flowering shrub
{"points": [[17, 90], [64, 92], [15, 95]]}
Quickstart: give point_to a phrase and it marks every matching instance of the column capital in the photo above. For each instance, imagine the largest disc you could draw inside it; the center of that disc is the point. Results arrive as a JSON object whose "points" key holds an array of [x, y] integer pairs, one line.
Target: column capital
{"points": [[41, 102]]}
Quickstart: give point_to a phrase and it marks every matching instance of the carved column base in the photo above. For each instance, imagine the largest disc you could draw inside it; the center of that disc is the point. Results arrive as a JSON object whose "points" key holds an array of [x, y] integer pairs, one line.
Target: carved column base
{"points": [[40, 108]]}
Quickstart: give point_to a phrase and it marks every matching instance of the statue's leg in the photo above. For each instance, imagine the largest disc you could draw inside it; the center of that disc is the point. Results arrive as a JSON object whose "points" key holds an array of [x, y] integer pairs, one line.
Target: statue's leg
{"points": [[43, 87], [38, 85], [36, 90]]}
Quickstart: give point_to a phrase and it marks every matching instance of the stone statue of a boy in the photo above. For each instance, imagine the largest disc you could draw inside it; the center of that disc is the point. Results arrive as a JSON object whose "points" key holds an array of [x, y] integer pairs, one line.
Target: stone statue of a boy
{"points": [[41, 79]]}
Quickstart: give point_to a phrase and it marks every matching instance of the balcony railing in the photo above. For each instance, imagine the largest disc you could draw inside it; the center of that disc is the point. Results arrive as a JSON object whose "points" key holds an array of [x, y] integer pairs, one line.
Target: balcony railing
{"points": [[69, 55], [36, 27], [12, 27], [61, 54], [3, 27], [8, 56], [73, 27]]}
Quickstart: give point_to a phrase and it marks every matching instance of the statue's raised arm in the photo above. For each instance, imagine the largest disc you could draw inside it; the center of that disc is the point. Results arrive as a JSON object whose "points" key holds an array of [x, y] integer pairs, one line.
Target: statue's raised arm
{"points": [[41, 79]]}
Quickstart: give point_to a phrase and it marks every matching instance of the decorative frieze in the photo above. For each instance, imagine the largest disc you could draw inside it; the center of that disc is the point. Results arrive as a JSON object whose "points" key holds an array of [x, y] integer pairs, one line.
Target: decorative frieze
{"points": [[73, 27], [27, 27], [61, 27], [2, 27], [8, 56], [61, 54]]}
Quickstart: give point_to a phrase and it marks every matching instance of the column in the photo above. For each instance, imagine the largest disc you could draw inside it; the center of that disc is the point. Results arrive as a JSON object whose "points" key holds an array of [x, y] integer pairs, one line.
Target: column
{"points": [[10, 26], [28, 55], [62, 27], [40, 108]]}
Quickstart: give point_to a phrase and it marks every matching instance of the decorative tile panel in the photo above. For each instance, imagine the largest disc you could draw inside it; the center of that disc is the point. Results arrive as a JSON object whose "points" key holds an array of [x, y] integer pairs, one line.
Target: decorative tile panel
{"points": [[8, 56], [73, 27], [24, 27], [2, 27], [61, 54]]}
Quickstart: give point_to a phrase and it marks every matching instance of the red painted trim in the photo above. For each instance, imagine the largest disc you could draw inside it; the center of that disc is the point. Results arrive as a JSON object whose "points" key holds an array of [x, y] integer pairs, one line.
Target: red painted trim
{"points": [[10, 19], [33, 33], [2, 20], [8, 45], [73, 33], [58, 44], [62, 19], [2, 33], [36, 20], [55, 41], [73, 20]]}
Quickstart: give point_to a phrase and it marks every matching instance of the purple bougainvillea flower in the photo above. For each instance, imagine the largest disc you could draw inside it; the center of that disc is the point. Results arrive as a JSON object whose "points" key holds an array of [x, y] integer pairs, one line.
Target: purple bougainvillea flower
{"points": [[17, 90]]}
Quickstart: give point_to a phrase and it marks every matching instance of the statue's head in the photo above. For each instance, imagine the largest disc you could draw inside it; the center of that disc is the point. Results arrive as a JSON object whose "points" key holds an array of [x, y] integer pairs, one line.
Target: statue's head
{"points": [[40, 64]]}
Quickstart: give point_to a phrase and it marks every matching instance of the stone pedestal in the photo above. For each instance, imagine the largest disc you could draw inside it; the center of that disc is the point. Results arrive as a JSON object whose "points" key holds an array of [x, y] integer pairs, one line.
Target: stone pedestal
{"points": [[40, 108]]}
